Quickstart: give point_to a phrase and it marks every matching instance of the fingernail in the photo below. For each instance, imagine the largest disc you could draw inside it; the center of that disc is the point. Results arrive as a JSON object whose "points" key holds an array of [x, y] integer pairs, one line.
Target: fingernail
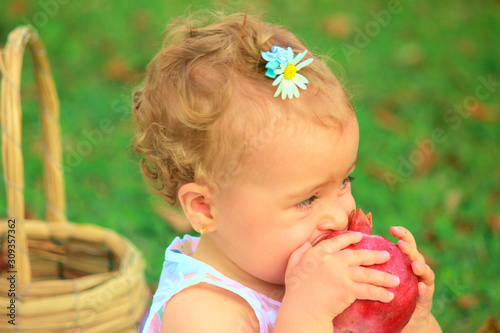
{"points": [[391, 296], [396, 279], [384, 255]]}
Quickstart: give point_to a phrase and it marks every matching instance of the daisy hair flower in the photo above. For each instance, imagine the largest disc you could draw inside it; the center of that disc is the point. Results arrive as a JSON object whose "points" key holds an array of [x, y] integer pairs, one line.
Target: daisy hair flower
{"points": [[283, 67]]}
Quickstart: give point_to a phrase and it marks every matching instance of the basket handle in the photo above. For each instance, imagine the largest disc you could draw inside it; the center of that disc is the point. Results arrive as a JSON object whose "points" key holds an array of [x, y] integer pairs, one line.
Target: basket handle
{"points": [[10, 116]]}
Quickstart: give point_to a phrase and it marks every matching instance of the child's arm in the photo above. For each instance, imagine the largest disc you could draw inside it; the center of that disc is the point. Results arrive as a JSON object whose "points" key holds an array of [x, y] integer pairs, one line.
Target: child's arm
{"points": [[422, 319], [322, 281], [210, 309]]}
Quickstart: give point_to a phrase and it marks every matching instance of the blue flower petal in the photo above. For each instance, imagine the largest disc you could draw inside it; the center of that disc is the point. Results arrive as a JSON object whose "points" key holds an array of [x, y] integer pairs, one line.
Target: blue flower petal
{"points": [[268, 56], [270, 73], [277, 49], [280, 53], [272, 64]]}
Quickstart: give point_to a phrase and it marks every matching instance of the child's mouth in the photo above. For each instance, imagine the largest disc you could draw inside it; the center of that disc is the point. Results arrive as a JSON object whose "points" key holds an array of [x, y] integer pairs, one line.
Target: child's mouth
{"points": [[320, 238]]}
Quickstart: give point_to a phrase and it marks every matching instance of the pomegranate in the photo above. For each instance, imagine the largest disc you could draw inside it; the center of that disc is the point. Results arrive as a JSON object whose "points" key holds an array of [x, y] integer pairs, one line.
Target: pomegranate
{"points": [[365, 316]]}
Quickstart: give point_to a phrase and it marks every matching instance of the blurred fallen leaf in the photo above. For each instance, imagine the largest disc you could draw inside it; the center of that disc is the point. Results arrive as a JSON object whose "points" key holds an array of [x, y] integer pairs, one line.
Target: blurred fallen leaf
{"points": [[29, 213], [478, 111], [117, 69], [142, 21], [468, 47], [467, 301], [376, 172], [452, 200], [431, 236], [17, 8], [491, 325], [465, 227], [495, 195], [338, 26], [388, 119], [410, 54], [454, 161], [152, 286], [425, 155], [430, 259], [482, 112], [494, 223]]}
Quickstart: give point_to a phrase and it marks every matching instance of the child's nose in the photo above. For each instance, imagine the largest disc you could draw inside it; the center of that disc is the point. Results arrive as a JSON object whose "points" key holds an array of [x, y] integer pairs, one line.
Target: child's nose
{"points": [[335, 219]]}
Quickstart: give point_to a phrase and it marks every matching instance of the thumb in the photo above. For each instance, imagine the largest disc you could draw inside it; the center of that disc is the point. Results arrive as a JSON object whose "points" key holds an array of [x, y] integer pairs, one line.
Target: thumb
{"points": [[297, 255]]}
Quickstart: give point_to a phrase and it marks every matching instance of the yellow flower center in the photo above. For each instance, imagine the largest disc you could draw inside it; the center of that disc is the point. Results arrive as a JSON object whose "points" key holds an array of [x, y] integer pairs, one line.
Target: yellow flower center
{"points": [[290, 71]]}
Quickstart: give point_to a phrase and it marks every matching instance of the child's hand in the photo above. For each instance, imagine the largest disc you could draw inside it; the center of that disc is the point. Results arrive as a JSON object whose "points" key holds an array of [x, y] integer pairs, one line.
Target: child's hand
{"points": [[422, 319], [324, 280]]}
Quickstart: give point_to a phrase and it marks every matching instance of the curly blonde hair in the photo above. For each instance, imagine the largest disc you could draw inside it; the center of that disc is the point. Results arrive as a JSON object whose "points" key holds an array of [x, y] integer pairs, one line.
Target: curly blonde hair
{"points": [[206, 103]]}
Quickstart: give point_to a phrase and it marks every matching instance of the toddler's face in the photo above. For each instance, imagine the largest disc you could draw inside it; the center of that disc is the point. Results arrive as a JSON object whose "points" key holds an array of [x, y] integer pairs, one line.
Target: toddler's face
{"points": [[289, 192]]}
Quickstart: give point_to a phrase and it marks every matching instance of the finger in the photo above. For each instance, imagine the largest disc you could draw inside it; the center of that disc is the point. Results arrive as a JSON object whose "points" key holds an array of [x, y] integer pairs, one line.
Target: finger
{"points": [[297, 254], [339, 242], [374, 277], [364, 257], [410, 251], [373, 293], [424, 272], [404, 234], [425, 293]]}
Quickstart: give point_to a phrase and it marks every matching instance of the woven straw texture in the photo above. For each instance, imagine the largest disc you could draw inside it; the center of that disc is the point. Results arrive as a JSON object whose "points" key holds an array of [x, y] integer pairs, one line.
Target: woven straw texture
{"points": [[69, 277]]}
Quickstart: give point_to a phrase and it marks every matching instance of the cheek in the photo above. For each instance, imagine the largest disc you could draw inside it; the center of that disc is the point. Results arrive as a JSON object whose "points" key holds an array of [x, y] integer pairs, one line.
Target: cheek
{"points": [[272, 264]]}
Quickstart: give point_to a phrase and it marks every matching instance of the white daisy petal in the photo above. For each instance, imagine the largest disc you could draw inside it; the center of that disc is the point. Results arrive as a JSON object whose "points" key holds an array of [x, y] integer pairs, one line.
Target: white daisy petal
{"points": [[278, 91], [304, 63], [279, 71], [298, 57], [278, 80], [299, 82], [295, 90], [302, 78], [290, 89], [284, 92], [290, 54]]}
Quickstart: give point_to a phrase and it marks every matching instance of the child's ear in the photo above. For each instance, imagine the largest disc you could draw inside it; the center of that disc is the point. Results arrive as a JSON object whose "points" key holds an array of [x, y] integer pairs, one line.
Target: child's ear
{"points": [[195, 200]]}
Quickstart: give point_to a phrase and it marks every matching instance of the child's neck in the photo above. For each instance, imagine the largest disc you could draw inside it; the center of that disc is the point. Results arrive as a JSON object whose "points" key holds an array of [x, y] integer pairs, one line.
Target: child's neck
{"points": [[209, 253]]}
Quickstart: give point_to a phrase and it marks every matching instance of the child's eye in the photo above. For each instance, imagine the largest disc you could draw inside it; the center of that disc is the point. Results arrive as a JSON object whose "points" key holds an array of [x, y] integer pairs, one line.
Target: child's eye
{"points": [[308, 202], [345, 183]]}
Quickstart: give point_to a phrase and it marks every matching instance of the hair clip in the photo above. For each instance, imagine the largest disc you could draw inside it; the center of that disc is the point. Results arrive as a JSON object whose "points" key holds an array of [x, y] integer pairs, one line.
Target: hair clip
{"points": [[283, 67]]}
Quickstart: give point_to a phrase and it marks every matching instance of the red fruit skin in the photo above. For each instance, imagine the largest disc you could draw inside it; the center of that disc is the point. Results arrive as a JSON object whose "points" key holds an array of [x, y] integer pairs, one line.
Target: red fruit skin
{"points": [[364, 316]]}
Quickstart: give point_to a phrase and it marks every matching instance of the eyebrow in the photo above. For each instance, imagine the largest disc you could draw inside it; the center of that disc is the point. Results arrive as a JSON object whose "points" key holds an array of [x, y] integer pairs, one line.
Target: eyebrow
{"points": [[303, 193]]}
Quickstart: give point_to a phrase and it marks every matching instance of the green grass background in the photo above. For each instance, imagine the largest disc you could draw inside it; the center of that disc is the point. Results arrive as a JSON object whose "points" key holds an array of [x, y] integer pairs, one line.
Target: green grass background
{"points": [[429, 156]]}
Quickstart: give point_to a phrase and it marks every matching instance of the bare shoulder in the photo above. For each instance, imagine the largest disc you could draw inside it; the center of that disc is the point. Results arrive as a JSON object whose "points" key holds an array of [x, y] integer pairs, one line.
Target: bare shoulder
{"points": [[207, 308]]}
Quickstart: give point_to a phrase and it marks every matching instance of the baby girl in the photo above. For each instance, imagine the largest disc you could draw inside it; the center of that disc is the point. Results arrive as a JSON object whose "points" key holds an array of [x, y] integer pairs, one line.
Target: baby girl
{"points": [[255, 138]]}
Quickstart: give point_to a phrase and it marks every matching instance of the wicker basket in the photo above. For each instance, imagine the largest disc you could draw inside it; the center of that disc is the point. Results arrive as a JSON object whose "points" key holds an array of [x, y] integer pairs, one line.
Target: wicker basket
{"points": [[67, 277]]}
